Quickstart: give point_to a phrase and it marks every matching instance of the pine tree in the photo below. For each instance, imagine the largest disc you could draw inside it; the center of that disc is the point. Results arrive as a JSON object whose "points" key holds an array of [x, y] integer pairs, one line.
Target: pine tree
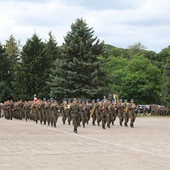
{"points": [[12, 51], [32, 72], [78, 73], [5, 90], [4, 64]]}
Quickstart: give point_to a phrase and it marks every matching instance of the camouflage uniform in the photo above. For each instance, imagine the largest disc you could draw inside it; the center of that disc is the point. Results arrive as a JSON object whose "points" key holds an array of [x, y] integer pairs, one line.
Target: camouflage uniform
{"points": [[74, 110], [54, 113]]}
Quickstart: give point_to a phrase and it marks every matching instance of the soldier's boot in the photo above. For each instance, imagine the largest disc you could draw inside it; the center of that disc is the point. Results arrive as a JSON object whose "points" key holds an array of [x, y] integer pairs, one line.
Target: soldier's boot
{"points": [[120, 123], [83, 125], [36, 121], [44, 122], [75, 130], [131, 125], [87, 122], [113, 123], [108, 125], [93, 123], [126, 125], [55, 125], [103, 126], [51, 124], [98, 123]]}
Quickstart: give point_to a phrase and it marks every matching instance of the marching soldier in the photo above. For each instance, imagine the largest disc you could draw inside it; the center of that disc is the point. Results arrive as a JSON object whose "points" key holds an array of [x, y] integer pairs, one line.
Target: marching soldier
{"points": [[54, 113], [126, 112], [74, 110], [114, 111], [132, 114], [110, 114], [104, 112], [120, 107], [98, 112], [93, 115], [82, 108]]}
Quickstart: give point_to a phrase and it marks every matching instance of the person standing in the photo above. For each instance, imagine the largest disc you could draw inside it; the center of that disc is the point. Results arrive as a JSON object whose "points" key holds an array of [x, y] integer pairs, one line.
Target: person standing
{"points": [[132, 114], [74, 110]]}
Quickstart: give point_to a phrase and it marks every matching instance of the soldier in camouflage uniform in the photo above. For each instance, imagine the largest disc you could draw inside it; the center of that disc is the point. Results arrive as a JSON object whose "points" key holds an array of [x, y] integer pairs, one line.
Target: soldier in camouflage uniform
{"points": [[114, 111], [54, 113], [93, 106], [126, 113], [109, 113], [68, 113], [132, 114], [63, 108], [74, 110], [82, 111], [104, 112], [98, 112], [120, 106]]}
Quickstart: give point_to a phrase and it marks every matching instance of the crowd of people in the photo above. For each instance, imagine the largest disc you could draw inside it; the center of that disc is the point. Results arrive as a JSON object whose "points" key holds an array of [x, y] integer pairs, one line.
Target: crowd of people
{"points": [[77, 112]]}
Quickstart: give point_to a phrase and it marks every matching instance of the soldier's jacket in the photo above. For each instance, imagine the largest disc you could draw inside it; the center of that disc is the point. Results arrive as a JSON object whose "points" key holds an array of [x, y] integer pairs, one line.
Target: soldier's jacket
{"points": [[104, 108], [54, 108], [74, 109]]}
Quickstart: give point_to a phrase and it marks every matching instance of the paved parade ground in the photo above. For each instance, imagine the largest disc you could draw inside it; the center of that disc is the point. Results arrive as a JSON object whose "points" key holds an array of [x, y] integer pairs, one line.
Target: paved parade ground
{"points": [[27, 146]]}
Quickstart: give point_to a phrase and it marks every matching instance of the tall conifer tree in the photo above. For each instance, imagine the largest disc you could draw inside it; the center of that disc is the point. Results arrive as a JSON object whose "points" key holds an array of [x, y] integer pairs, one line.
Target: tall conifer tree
{"points": [[32, 72], [79, 73]]}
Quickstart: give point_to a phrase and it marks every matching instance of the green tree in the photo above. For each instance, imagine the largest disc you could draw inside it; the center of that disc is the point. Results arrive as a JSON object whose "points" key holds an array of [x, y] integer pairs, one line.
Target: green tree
{"points": [[79, 73], [32, 72], [136, 48], [141, 81], [166, 97], [5, 91], [12, 51], [4, 64]]}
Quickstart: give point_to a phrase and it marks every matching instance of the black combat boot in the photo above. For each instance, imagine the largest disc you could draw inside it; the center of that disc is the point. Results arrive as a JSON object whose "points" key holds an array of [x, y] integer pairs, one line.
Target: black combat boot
{"points": [[126, 125], [131, 125]]}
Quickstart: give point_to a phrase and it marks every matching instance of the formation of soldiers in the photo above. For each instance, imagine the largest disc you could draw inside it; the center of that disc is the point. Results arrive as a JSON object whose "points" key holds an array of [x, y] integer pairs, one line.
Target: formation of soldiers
{"points": [[78, 112], [159, 111]]}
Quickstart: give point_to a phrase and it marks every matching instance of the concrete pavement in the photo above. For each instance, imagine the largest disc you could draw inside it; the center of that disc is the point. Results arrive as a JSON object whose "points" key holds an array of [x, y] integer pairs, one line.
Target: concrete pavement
{"points": [[29, 146]]}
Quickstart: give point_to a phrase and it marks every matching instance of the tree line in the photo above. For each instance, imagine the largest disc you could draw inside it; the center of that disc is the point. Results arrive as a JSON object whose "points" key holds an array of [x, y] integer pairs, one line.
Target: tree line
{"points": [[82, 67]]}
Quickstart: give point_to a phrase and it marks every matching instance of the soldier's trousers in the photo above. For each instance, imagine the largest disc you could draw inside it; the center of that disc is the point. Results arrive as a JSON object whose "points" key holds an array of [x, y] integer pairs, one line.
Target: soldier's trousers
{"points": [[121, 118], [54, 118], [64, 116], [104, 119], [109, 119], [98, 116], [114, 118], [44, 118], [93, 118], [126, 117], [10, 114], [69, 117], [132, 117], [83, 118], [75, 118]]}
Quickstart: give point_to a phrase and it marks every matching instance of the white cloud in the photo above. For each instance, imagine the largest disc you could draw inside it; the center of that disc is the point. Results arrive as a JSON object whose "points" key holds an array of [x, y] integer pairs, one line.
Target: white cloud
{"points": [[119, 23]]}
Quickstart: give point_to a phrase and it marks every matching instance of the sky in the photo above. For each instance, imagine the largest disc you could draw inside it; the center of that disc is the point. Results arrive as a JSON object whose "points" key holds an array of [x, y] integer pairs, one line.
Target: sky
{"points": [[120, 23]]}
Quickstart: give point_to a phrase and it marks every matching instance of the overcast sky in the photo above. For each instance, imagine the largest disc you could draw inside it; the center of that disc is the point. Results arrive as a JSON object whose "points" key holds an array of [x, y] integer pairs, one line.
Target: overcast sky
{"points": [[118, 22]]}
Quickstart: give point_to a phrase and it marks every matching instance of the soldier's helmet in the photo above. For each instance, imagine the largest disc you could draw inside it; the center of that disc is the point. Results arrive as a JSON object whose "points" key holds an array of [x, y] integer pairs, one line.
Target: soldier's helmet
{"points": [[125, 100], [98, 100]]}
